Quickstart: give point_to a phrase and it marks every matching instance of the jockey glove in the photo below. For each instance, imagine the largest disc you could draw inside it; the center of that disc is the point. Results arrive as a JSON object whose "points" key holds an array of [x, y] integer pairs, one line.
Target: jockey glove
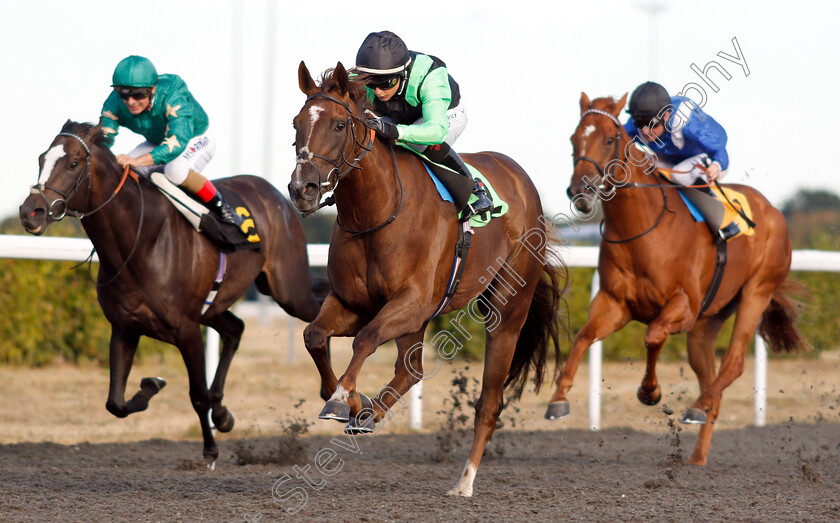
{"points": [[383, 128]]}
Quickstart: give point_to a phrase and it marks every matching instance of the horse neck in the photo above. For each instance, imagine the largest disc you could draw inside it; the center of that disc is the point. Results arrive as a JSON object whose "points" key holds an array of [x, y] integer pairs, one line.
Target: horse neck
{"points": [[642, 204], [113, 226], [368, 196]]}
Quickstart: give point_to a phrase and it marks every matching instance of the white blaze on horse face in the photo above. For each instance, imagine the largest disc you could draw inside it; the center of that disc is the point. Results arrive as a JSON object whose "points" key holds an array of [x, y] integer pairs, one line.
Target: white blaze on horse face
{"points": [[314, 114], [55, 154], [589, 130]]}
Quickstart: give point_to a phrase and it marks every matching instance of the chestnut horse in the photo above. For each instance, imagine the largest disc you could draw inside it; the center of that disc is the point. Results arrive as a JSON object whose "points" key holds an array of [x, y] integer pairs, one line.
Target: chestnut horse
{"points": [[156, 271], [391, 255], [656, 264]]}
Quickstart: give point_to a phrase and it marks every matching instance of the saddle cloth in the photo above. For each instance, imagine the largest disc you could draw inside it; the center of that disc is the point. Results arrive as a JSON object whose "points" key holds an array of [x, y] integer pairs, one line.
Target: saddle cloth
{"points": [[732, 212], [500, 206], [223, 234]]}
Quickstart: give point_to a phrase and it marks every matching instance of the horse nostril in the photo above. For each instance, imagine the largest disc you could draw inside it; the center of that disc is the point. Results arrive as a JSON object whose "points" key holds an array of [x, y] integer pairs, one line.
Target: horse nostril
{"points": [[310, 191], [292, 192]]}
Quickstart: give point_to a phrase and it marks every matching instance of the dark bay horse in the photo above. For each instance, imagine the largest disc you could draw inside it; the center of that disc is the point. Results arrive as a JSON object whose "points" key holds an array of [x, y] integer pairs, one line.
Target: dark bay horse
{"points": [[389, 276], [656, 264], [156, 271]]}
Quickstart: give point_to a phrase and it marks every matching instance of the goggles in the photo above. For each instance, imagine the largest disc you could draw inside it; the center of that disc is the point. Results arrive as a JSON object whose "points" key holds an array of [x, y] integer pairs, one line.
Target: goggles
{"points": [[384, 85], [138, 94], [650, 123]]}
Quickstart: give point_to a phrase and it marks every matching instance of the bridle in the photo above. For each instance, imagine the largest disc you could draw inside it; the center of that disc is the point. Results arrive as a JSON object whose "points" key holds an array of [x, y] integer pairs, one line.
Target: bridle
{"points": [[86, 175], [601, 170], [604, 175], [39, 188], [342, 166]]}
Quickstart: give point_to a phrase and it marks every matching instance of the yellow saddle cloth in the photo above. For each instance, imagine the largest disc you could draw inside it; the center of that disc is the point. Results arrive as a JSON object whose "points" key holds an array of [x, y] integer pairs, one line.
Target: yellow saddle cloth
{"points": [[735, 207]]}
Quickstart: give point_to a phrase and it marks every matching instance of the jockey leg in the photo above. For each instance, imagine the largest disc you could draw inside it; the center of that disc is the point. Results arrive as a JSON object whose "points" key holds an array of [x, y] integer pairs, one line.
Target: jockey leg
{"points": [[204, 190], [461, 188]]}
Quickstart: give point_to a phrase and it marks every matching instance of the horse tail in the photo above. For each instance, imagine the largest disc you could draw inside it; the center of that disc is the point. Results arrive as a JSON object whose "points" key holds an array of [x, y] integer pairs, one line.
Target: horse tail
{"points": [[542, 328], [778, 322]]}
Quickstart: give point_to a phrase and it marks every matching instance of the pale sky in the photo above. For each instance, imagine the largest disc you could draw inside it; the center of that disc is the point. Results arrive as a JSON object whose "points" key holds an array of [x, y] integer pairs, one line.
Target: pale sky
{"points": [[521, 67]]}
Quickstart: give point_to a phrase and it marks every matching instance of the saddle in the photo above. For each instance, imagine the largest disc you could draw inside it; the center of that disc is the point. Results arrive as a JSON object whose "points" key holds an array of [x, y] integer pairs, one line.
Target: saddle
{"points": [[437, 172], [226, 236], [726, 211]]}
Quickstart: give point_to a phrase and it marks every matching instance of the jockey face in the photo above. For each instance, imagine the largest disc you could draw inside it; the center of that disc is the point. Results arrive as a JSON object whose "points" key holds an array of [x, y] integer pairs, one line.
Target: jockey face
{"points": [[657, 130], [385, 91], [139, 102]]}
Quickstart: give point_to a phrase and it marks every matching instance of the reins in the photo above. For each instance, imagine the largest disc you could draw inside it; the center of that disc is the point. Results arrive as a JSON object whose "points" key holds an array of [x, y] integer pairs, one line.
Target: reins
{"points": [[305, 156], [86, 174]]}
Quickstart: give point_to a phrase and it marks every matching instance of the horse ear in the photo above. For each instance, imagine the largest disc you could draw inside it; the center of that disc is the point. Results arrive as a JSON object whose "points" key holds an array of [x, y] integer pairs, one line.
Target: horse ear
{"points": [[584, 102], [305, 81], [619, 105], [341, 78]]}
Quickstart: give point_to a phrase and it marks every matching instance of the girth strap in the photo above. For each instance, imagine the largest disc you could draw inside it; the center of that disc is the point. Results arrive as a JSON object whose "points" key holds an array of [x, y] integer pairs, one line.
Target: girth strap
{"points": [[462, 250], [717, 276], [217, 283]]}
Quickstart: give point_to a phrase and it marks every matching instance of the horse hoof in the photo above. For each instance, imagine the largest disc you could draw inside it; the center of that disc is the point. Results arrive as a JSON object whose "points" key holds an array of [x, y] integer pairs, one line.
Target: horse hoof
{"points": [[360, 426], [557, 410], [223, 419], [336, 410], [649, 398], [153, 385], [367, 404], [210, 456], [694, 416]]}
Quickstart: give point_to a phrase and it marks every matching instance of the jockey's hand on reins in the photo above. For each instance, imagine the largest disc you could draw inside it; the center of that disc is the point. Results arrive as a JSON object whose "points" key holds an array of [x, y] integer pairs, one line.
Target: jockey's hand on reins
{"points": [[383, 128]]}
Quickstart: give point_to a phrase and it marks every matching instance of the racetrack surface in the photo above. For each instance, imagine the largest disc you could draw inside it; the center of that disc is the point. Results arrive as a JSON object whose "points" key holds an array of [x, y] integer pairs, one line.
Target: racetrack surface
{"points": [[787, 472]]}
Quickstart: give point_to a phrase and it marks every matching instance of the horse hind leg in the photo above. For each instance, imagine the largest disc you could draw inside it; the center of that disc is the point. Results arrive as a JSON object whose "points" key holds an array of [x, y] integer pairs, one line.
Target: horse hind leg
{"points": [[191, 345], [701, 358], [123, 346], [230, 329]]}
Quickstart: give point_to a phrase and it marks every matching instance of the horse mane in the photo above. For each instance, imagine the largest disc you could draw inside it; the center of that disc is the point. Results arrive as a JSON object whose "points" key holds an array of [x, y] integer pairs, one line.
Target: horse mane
{"points": [[356, 91], [84, 129]]}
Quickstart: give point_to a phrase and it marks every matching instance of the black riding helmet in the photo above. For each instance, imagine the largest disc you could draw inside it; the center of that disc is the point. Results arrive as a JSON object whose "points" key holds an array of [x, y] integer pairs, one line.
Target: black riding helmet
{"points": [[382, 54], [646, 102]]}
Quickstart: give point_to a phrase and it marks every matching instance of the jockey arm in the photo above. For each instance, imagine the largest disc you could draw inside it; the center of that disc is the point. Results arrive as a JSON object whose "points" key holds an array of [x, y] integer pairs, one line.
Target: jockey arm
{"points": [[179, 128], [435, 96], [710, 137]]}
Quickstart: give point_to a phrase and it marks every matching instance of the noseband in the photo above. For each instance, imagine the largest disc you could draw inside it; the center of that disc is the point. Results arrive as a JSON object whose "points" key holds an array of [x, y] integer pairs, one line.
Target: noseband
{"points": [[341, 166]]}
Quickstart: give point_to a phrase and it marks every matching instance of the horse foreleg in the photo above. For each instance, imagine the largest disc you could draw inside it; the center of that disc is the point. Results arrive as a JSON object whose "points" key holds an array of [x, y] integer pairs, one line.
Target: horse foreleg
{"points": [[606, 315], [121, 354], [408, 369], [230, 330], [397, 317], [701, 358], [334, 319], [191, 345], [675, 317]]}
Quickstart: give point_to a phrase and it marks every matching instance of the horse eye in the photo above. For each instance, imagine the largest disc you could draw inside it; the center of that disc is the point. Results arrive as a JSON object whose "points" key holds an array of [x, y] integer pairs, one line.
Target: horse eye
{"points": [[340, 126], [610, 141], [73, 165]]}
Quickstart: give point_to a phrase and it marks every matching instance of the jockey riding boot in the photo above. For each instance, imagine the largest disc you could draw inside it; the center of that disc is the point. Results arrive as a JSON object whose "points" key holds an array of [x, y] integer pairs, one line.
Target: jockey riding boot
{"points": [[444, 154], [204, 190]]}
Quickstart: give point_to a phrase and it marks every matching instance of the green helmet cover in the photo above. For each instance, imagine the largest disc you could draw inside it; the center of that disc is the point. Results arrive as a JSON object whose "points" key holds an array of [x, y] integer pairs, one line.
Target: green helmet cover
{"points": [[135, 71]]}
